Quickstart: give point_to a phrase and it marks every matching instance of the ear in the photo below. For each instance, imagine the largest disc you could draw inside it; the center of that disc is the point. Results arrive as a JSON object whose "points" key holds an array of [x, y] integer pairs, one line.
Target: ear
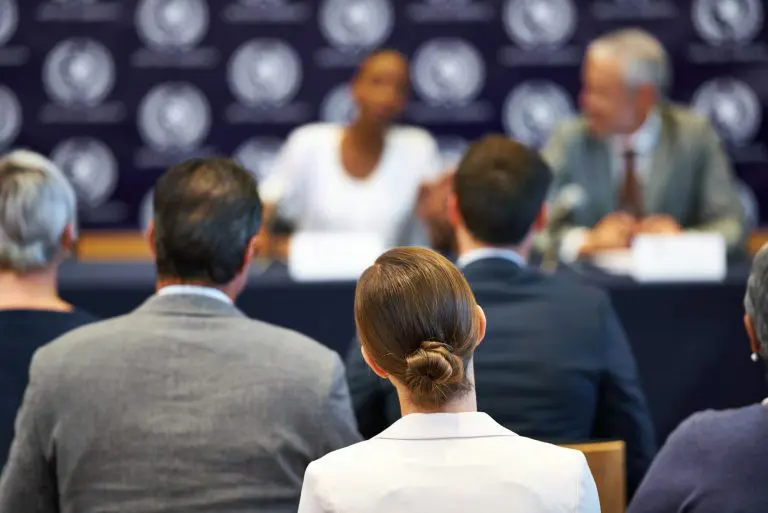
{"points": [[454, 214], [68, 238], [481, 324], [754, 344], [150, 237], [253, 248], [374, 367]]}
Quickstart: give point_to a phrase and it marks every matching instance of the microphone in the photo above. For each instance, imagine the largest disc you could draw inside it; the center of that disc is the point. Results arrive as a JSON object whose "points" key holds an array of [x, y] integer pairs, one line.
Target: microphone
{"points": [[570, 197]]}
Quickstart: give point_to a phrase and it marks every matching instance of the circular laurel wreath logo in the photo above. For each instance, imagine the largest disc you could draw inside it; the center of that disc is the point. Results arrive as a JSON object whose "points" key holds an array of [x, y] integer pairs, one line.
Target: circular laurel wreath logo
{"points": [[532, 110], [90, 166], [356, 24], [448, 71], [174, 117], [540, 23], [732, 107], [79, 71], [172, 24], [728, 21], [265, 72]]}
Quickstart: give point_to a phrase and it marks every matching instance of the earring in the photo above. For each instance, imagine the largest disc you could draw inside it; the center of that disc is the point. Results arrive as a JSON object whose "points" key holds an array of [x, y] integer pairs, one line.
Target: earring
{"points": [[755, 357]]}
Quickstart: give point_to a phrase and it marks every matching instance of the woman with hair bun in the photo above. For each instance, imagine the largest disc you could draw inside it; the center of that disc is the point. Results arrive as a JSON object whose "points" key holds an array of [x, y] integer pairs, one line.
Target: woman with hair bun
{"points": [[418, 325]]}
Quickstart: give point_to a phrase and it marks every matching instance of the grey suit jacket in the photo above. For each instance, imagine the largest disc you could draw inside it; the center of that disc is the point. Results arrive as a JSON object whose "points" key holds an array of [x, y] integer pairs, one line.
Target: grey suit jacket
{"points": [[182, 405], [690, 177]]}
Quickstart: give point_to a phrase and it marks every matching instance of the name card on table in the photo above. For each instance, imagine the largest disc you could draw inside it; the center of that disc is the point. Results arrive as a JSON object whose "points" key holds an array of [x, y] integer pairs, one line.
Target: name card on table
{"points": [[684, 257], [329, 256]]}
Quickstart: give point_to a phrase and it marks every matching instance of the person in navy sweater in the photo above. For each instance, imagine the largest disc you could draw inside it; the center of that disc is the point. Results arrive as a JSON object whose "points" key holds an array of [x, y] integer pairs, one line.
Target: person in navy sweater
{"points": [[716, 461]]}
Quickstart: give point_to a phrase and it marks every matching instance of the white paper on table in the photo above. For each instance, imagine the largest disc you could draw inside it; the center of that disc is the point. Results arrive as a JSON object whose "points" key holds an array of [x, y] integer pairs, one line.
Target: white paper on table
{"points": [[684, 257], [332, 256]]}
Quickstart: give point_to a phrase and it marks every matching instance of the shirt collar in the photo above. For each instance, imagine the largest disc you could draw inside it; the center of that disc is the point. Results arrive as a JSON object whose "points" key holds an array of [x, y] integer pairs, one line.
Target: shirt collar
{"points": [[195, 290], [483, 253], [432, 426], [644, 139]]}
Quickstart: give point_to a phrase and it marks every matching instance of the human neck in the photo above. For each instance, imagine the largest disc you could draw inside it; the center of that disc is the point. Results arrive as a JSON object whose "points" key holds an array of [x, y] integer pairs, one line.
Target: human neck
{"points": [[31, 291], [366, 135], [466, 243], [464, 404], [165, 281]]}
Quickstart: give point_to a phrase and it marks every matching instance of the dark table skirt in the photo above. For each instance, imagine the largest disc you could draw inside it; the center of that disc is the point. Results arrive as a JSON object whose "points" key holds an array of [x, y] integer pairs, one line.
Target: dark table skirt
{"points": [[688, 339]]}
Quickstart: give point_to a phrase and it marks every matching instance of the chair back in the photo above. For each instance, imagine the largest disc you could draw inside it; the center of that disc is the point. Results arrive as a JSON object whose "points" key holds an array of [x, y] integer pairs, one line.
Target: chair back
{"points": [[606, 460]]}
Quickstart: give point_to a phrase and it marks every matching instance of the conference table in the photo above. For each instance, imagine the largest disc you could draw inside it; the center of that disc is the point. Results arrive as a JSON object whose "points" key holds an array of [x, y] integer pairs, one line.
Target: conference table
{"points": [[688, 338]]}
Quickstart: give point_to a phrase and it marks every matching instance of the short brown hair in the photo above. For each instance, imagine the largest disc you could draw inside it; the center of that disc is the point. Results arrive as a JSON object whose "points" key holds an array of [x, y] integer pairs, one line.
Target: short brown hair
{"points": [[417, 319], [500, 187]]}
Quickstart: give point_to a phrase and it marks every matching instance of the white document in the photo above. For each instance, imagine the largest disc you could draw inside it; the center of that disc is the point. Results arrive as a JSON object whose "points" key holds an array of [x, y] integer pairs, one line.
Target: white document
{"points": [[332, 256]]}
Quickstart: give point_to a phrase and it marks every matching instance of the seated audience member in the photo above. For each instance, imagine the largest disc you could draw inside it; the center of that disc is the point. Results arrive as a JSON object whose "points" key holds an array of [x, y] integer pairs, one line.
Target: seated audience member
{"points": [[419, 325], [556, 365], [716, 461], [644, 164], [37, 231], [184, 404], [363, 177]]}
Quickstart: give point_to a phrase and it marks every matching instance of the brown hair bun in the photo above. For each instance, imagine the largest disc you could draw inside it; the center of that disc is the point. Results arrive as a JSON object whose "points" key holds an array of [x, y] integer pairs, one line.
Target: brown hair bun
{"points": [[432, 366]]}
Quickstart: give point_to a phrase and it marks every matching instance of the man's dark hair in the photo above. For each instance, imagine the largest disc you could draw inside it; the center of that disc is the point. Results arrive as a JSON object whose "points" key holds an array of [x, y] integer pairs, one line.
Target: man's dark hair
{"points": [[205, 213], [501, 185]]}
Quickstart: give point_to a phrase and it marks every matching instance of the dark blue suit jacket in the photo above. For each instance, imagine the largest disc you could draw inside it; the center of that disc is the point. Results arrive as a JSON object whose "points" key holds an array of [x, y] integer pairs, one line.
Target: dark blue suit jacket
{"points": [[555, 365]]}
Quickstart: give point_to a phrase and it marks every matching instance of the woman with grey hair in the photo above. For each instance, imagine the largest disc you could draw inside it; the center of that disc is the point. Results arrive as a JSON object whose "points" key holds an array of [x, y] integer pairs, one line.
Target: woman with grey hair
{"points": [[717, 461], [37, 232]]}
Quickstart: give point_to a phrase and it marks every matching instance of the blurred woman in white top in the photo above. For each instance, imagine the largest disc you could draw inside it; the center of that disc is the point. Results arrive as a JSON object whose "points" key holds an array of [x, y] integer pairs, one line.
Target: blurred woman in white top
{"points": [[364, 177], [419, 325]]}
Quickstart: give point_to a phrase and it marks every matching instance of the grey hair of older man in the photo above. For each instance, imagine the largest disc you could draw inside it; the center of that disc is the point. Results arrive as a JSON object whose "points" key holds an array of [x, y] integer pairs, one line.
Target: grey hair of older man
{"points": [[756, 302], [37, 204]]}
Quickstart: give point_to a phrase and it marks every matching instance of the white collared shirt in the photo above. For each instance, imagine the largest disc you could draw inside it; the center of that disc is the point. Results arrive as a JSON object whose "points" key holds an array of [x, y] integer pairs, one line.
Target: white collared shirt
{"points": [[196, 290], [451, 463], [483, 253], [642, 142]]}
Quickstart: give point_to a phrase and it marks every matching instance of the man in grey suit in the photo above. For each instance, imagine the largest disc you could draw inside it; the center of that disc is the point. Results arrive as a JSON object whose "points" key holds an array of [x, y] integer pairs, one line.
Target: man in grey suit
{"points": [[635, 163], [184, 404]]}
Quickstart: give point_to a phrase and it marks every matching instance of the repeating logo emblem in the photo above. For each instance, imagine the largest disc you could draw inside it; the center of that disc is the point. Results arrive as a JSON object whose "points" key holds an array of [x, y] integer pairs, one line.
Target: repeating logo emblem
{"points": [[537, 23], [10, 120], [732, 107], [9, 18], [79, 72], [728, 21], [172, 24], [265, 72], [174, 116], [90, 166], [338, 106], [258, 155], [356, 23], [448, 71], [533, 109]]}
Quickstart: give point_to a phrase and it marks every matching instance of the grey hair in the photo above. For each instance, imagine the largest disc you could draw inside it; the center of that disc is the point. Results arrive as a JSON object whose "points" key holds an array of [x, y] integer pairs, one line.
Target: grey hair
{"points": [[643, 56], [37, 203], [756, 298]]}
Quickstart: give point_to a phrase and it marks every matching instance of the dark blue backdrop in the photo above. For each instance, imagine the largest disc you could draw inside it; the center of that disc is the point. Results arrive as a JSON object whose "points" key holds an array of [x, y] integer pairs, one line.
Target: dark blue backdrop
{"points": [[117, 90]]}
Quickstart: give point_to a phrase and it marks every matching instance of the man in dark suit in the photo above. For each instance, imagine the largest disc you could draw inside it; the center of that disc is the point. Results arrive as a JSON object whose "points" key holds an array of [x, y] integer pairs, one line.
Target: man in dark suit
{"points": [[555, 364], [184, 404]]}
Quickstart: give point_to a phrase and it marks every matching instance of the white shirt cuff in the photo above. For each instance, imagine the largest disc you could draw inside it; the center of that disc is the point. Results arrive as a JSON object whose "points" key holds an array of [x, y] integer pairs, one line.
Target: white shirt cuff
{"points": [[571, 244]]}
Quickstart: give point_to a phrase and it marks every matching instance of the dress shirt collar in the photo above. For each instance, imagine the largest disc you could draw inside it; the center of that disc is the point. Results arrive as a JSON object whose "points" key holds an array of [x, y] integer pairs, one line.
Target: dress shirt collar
{"points": [[195, 290], [434, 426], [644, 139], [483, 253]]}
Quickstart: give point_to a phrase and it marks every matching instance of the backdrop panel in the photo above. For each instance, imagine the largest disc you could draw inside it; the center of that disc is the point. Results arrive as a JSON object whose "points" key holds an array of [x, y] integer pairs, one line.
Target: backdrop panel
{"points": [[116, 90]]}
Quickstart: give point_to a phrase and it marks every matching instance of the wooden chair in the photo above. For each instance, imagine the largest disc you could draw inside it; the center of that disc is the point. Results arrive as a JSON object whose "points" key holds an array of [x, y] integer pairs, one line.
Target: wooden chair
{"points": [[606, 460]]}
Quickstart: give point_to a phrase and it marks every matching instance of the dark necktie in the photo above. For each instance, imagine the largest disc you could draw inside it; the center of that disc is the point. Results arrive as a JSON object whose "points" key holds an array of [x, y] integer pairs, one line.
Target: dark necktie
{"points": [[631, 194]]}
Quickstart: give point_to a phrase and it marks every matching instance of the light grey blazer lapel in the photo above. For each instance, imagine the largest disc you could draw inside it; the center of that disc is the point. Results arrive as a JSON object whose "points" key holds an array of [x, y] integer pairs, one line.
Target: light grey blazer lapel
{"points": [[598, 177], [661, 166]]}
